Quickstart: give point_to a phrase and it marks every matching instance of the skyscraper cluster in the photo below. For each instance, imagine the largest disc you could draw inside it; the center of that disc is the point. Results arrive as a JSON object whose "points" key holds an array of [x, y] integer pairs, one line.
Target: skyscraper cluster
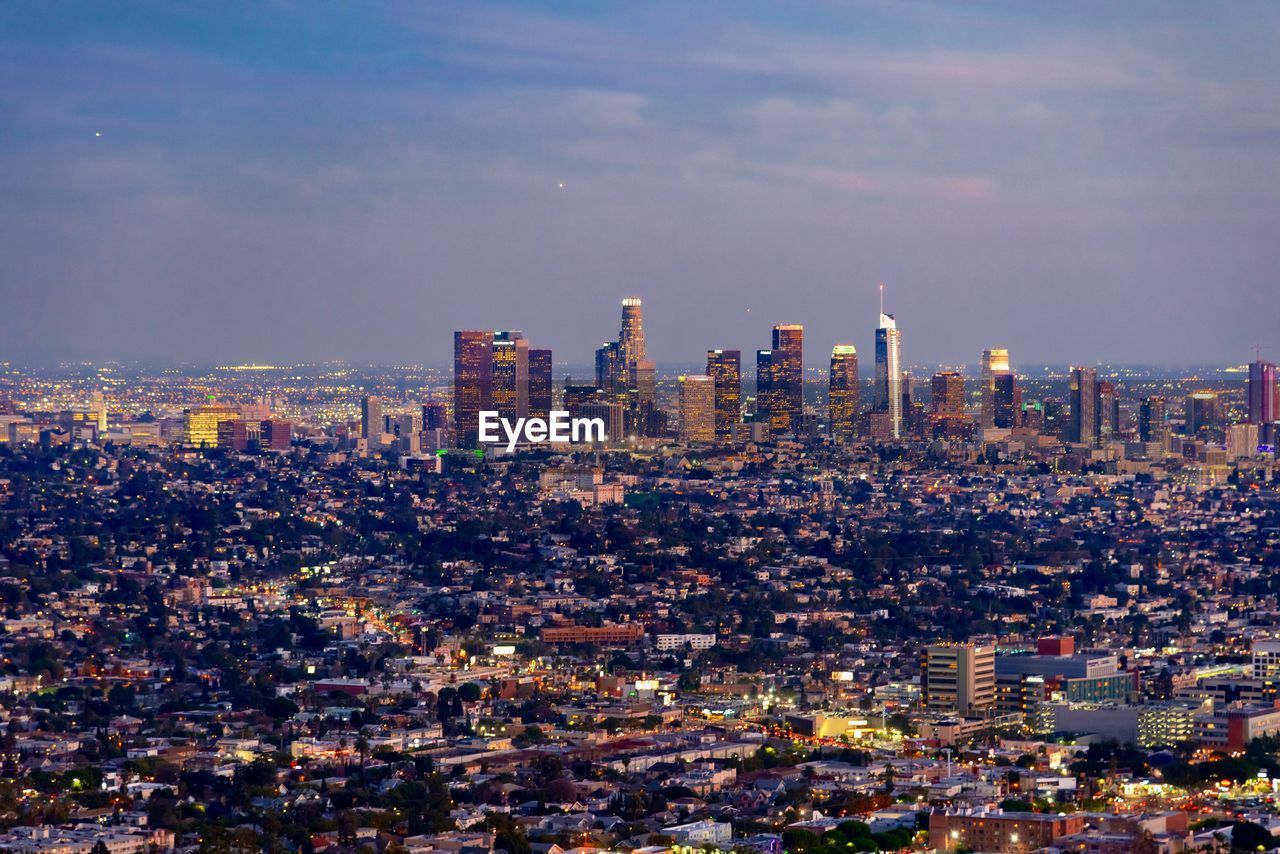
{"points": [[780, 381], [625, 375], [498, 371]]}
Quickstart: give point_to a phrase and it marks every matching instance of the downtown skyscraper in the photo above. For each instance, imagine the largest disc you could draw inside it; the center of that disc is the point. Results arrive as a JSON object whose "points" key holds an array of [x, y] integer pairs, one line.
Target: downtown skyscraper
{"points": [[541, 383], [889, 372], [511, 374], [472, 382], [842, 393], [1083, 424], [697, 409], [1264, 394], [994, 362], [624, 372], [725, 369], [780, 381]]}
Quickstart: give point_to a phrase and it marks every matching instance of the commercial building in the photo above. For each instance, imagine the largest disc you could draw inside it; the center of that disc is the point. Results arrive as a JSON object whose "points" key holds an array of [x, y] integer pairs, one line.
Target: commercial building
{"points": [[994, 362], [697, 409], [990, 829], [889, 373], [725, 369], [959, 677], [842, 393], [472, 382]]}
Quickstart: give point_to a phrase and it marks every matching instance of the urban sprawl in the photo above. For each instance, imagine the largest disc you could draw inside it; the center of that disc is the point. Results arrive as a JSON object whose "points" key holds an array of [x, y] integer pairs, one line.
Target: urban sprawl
{"points": [[782, 607]]}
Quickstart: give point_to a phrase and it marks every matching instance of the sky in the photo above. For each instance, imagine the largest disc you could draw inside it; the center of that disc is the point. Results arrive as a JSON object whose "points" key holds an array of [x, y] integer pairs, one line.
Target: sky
{"points": [[278, 182]]}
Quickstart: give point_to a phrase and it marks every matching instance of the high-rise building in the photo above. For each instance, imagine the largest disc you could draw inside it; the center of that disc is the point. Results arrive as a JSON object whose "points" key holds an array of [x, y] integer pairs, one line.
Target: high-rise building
{"points": [[98, 406], [1008, 401], [511, 374], [201, 423], [725, 369], [371, 424], [472, 382], [1202, 414], [611, 370], [1108, 413], [541, 383], [946, 414], [631, 338], [644, 392], [889, 372], [948, 395], [1264, 393], [842, 393], [959, 677], [1153, 420], [994, 362], [765, 402], [697, 409], [1083, 422], [434, 415], [276, 435], [611, 412], [788, 379], [624, 372]]}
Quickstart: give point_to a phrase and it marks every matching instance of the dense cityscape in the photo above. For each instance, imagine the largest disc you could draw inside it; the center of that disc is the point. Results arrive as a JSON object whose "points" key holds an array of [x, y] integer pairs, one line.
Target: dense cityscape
{"points": [[527, 427], [795, 608]]}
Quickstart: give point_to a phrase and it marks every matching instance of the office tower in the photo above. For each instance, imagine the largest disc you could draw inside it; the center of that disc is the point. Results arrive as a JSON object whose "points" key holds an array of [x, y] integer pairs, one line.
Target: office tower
{"points": [[511, 374], [611, 370], [472, 382], [842, 393], [371, 425], [201, 423], [276, 435], [98, 407], [1264, 393], [1032, 416], [1241, 441], [540, 383], [1108, 413], [946, 414], [725, 369], [1007, 404], [697, 409], [1201, 409], [234, 435], [959, 677], [788, 379], [995, 361], [631, 338], [626, 375], [579, 395], [435, 415], [764, 388], [1082, 425], [1153, 420], [889, 372], [644, 389], [948, 395], [611, 412]]}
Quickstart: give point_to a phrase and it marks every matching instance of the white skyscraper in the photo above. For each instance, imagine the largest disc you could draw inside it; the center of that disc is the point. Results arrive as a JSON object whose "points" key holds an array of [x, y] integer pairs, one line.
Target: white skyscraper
{"points": [[889, 372]]}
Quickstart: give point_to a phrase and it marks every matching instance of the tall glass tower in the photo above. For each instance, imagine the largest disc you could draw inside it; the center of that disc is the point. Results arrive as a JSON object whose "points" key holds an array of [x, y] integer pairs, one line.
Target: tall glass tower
{"points": [[889, 372]]}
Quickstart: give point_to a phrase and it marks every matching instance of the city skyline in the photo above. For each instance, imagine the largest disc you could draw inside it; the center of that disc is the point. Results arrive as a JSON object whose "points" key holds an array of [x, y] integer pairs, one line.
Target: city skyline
{"points": [[232, 185]]}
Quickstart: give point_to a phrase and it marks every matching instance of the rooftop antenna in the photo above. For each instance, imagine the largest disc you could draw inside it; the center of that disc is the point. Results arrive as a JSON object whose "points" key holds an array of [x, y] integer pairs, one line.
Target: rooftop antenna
{"points": [[882, 297]]}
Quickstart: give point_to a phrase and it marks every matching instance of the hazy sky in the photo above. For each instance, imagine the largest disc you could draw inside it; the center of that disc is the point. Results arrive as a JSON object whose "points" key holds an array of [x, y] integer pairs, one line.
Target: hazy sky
{"points": [[286, 181]]}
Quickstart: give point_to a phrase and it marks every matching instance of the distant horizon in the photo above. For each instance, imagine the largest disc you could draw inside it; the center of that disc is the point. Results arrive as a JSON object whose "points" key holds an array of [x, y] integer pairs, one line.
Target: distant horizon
{"points": [[664, 367]]}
